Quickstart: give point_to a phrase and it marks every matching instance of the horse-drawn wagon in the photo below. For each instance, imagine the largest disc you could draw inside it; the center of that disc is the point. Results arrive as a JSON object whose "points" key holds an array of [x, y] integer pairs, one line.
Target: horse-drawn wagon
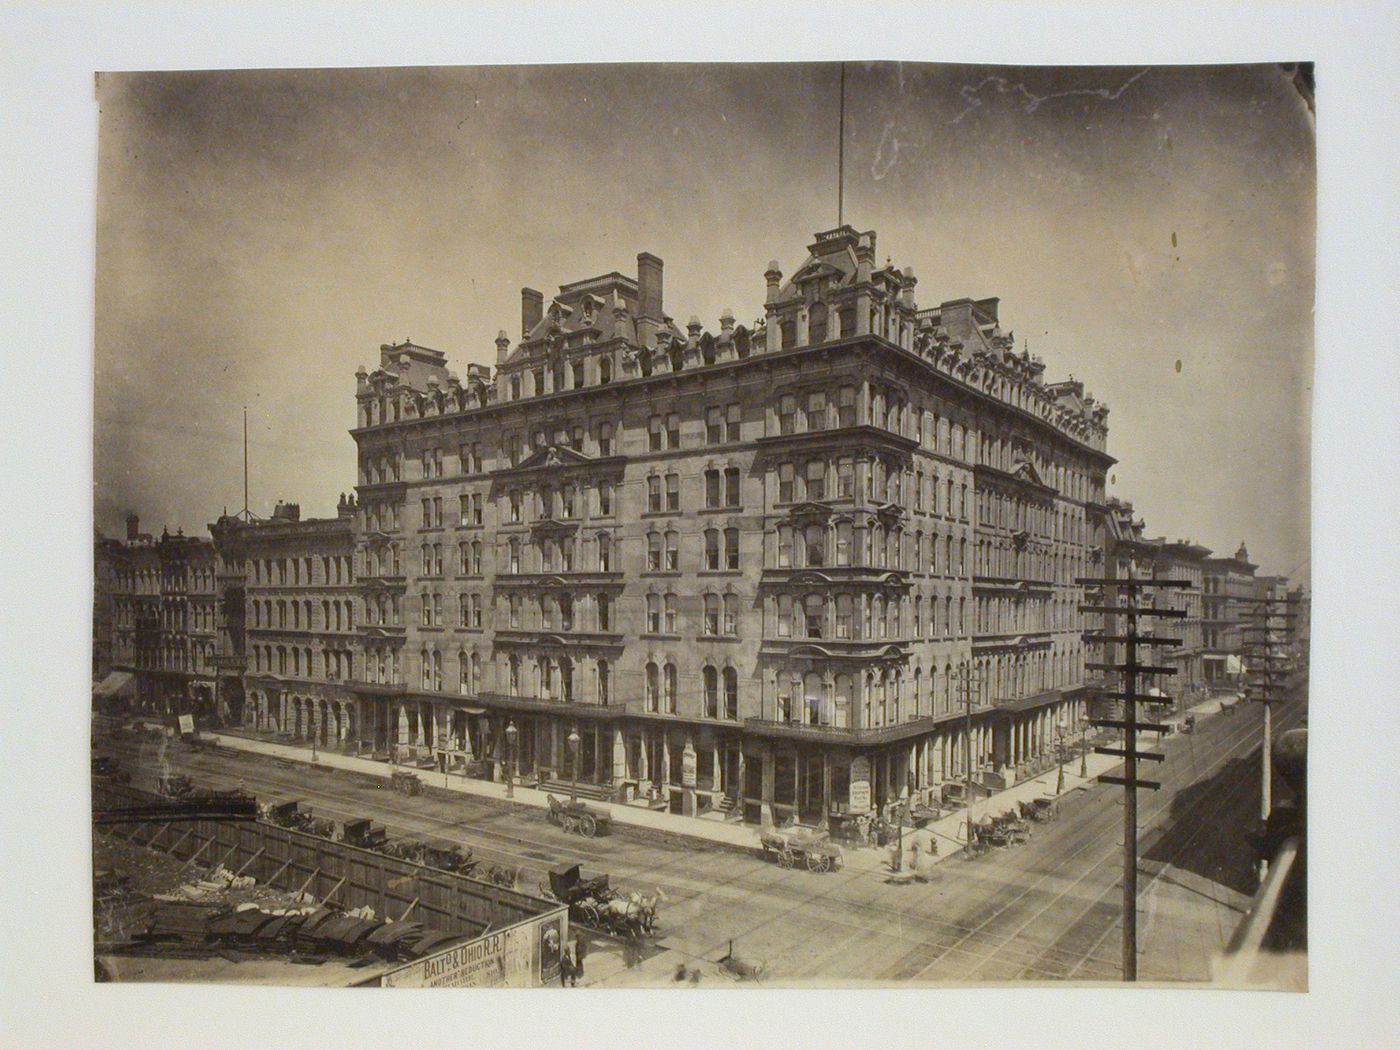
{"points": [[794, 846], [595, 905], [579, 817]]}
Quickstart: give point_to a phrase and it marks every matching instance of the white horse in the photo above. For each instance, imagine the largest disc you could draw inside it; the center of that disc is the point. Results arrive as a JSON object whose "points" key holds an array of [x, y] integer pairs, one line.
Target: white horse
{"points": [[635, 910]]}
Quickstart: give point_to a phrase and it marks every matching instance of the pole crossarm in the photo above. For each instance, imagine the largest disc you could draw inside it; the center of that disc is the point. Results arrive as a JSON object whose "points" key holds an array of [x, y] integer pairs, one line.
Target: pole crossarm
{"points": [[1139, 639], [1119, 752], [1127, 610], [1131, 783], [1110, 723]]}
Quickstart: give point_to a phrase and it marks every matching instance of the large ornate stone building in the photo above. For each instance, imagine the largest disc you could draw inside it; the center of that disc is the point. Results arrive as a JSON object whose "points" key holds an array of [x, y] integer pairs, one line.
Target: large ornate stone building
{"points": [[769, 568]]}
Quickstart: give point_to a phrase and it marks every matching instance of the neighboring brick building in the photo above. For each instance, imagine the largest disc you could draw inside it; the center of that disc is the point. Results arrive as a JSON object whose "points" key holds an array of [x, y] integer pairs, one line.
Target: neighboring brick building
{"points": [[289, 622], [741, 566], [1227, 584], [164, 616]]}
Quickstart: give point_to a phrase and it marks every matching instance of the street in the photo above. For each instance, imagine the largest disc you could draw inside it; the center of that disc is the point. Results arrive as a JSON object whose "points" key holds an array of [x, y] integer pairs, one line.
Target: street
{"points": [[1045, 911]]}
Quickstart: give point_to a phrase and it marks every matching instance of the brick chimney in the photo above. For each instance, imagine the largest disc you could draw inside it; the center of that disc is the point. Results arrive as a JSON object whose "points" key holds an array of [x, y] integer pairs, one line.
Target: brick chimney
{"points": [[649, 286], [531, 310]]}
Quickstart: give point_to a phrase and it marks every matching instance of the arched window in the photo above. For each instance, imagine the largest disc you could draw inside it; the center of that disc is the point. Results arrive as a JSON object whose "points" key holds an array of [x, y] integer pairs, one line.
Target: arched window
{"points": [[731, 615], [843, 543], [653, 687], [731, 549], [784, 616], [513, 666], [731, 693], [784, 546], [654, 613], [670, 684], [813, 695], [671, 614], [654, 551], [673, 557], [712, 549], [841, 715], [604, 552], [711, 683], [604, 681], [816, 545], [814, 607], [712, 614], [844, 608]]}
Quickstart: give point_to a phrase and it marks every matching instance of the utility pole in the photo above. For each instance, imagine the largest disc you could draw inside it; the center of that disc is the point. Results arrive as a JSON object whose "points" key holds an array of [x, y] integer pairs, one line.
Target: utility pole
{"points": [[1130, 606], [1268, 618]]}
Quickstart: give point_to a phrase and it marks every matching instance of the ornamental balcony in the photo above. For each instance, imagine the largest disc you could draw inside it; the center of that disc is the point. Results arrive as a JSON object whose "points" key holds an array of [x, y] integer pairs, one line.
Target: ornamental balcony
{"points": [[555, 638], [867, 649], [860, 436], [835, 575], [572, 579], [847, 735]]}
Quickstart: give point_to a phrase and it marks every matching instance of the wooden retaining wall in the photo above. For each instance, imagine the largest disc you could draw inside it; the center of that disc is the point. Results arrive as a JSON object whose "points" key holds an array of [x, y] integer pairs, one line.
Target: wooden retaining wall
{"points": [[346, 875]]}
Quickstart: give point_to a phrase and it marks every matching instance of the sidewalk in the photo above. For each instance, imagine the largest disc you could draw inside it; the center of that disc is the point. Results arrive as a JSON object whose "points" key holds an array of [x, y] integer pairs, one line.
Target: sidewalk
{"points": [[950, 832], [636, 816]]}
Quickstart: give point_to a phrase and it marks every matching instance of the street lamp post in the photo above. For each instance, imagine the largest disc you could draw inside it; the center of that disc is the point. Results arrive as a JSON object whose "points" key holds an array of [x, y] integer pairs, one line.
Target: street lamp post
{"points": [[573, 765], [1084, 749], [1060, 747], [510, 760]]}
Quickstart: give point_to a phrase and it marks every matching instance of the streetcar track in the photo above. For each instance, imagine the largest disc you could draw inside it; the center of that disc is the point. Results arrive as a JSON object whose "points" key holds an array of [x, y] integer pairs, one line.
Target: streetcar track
{"points": [[1223, 749]]}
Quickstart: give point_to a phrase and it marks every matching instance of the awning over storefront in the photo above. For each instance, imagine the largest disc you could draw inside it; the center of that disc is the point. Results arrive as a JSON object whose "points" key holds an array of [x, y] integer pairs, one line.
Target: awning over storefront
{"points": [[118, 683]]}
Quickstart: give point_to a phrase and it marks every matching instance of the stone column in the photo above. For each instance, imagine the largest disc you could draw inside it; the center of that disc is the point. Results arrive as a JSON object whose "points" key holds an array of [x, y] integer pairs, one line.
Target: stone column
{"points": [[619, 761], [689, 760]]}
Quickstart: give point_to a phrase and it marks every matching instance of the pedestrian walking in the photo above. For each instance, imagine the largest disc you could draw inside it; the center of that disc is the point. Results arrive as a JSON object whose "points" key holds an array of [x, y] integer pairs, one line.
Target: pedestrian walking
{"points": [[568, 972]]}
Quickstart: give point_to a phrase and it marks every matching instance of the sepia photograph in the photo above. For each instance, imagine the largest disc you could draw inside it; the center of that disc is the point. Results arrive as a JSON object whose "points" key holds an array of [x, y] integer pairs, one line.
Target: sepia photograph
{"points": [[776, 525]]}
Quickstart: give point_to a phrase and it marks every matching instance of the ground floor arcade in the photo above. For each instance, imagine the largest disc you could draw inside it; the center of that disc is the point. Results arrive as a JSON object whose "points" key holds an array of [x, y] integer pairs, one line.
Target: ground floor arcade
{"points": [[755, 773]]}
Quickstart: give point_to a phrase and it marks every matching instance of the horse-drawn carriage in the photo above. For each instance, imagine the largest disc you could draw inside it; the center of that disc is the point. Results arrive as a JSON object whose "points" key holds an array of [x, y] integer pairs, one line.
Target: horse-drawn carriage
{"points": [[794, 846], [595, 905], [579, 817], [1040, 810], [1001, 831]]}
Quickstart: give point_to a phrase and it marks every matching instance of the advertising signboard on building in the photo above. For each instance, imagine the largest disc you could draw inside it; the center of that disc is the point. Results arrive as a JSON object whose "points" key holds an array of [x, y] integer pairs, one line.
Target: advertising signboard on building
{"points": [[510, 958], [860, 785]]}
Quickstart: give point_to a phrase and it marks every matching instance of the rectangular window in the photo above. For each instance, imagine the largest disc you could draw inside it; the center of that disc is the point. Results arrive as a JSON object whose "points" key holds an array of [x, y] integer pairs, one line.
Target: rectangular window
{"points": [[712, 549], [605, 434], [732, 418], [846, 407], [604, 612], [578, 374], [816, 479], [787, 414], [816, 410], [673, 556], [604, 498], [427, 514], [673, 431], [731, 486], [731, 548], [845, 478], [654, 429], [673, 492], [712, 489], [654, 494], [714, 425], [786, 474]]}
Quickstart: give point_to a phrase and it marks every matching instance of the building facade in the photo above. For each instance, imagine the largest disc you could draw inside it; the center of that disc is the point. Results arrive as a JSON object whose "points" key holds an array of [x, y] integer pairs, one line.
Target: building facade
{"points": [[289, 623], [1227, 586], [771, 570], [164, 618]]}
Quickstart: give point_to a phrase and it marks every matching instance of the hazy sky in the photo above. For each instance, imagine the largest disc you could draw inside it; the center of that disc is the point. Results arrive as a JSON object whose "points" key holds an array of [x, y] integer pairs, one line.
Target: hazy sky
{"points": [[260, 234]]}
